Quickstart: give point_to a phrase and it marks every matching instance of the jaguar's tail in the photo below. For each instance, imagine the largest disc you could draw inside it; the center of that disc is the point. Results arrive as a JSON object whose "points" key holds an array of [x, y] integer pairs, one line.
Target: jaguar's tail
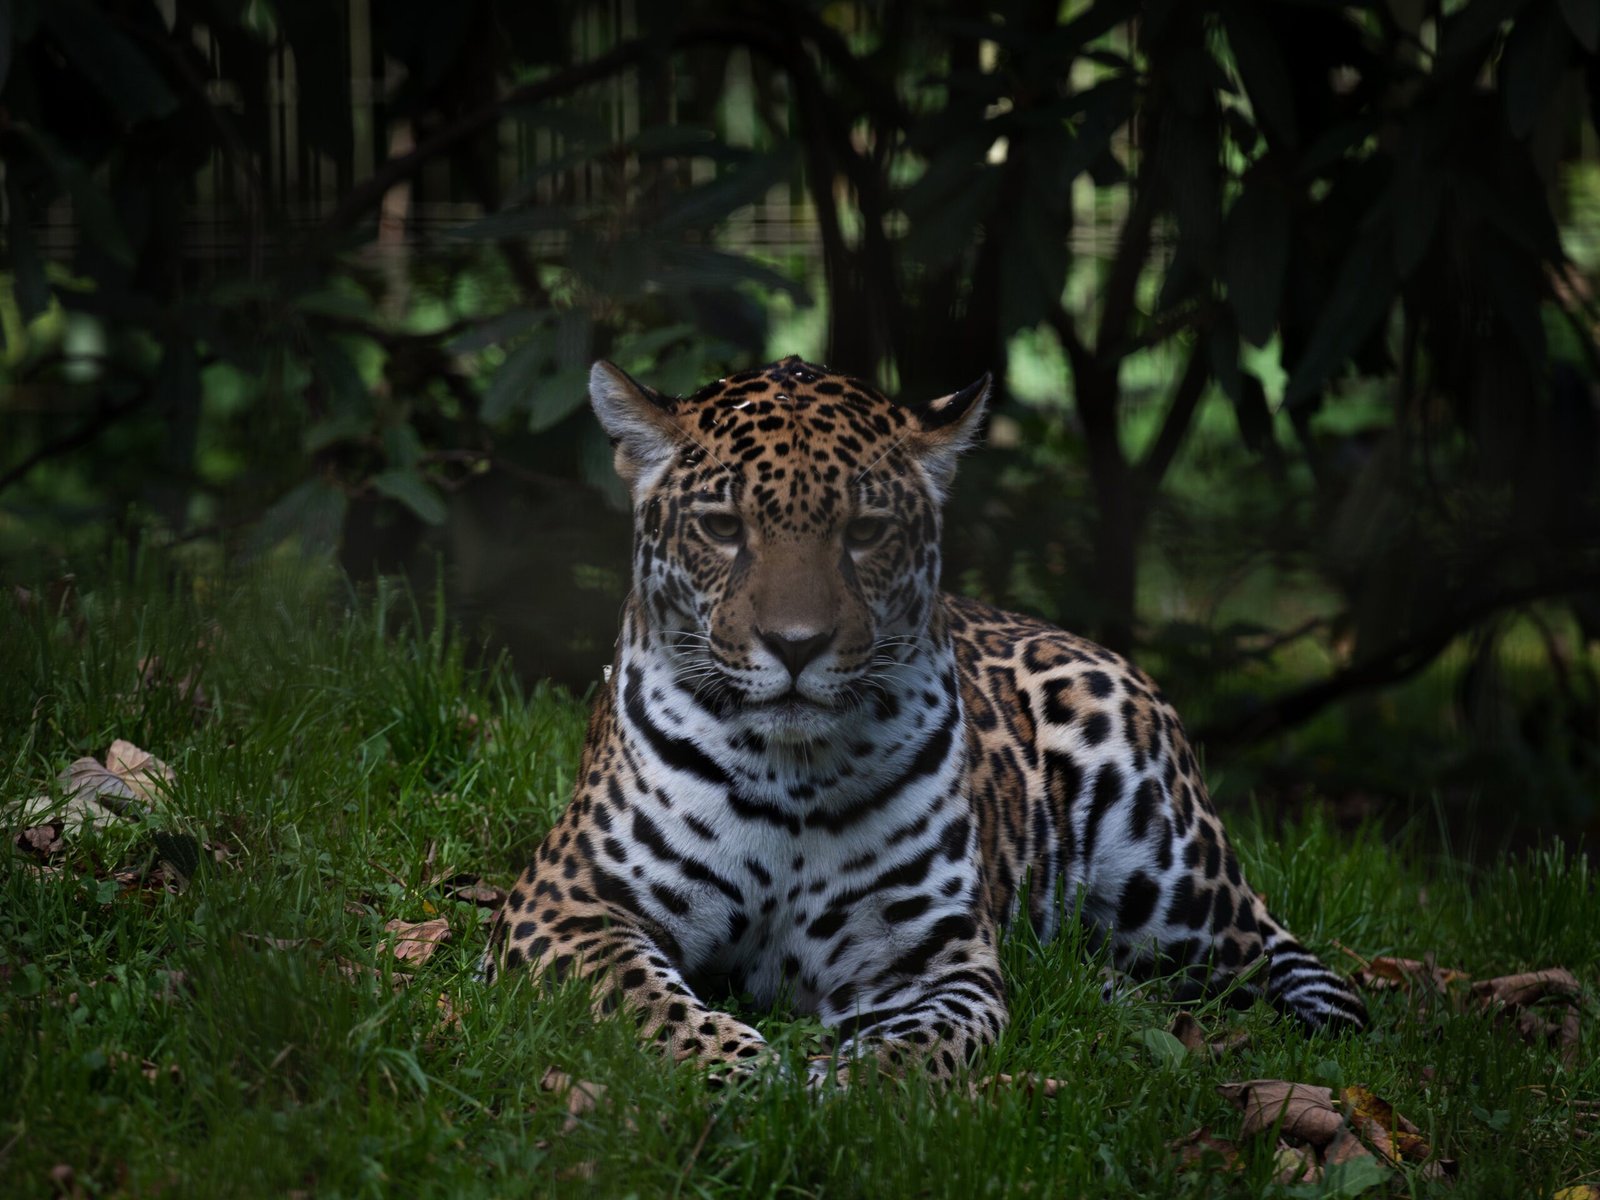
{"points": [[1301, 985]]}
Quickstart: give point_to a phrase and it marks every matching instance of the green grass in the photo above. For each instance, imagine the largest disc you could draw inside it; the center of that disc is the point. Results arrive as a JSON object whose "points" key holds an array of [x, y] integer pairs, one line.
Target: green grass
{"points": [[349, 755]]}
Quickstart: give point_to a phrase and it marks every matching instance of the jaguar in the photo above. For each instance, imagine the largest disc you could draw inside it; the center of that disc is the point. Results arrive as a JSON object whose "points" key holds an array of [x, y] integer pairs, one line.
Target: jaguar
{"points": [[812, 777]]}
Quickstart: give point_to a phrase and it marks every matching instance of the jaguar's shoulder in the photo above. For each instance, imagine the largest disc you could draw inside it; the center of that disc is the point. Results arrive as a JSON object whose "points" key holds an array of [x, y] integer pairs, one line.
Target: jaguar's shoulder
{"points": [[986, 637]]}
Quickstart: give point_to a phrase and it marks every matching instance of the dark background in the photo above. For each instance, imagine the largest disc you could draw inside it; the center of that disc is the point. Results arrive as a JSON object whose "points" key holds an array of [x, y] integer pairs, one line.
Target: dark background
{"points": [[1291, 305]]}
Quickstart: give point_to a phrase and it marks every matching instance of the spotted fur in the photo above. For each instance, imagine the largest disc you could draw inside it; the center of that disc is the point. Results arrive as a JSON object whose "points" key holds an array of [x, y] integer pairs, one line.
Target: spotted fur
{"points": [[814, 777]]}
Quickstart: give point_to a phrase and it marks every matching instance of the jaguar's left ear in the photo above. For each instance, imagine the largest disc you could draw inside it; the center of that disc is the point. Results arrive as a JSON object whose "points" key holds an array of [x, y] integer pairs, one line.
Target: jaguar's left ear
{"points": [[943, 428]]}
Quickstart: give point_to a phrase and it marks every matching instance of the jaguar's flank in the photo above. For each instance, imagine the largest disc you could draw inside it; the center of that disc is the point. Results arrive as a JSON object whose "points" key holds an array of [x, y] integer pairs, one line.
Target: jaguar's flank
{"points": [[814, 776]]}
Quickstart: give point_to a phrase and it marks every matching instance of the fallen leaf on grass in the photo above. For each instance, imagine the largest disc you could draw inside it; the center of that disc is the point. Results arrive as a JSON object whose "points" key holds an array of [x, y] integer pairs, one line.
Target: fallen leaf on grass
{"points": [[1346, 1147], [96, 794], [1200, 1148], [1046, 1086], [416, 941], [1519, 991], [1562, 1036], [1388, 1133], [1357, 1134], [1519, 994], [449, 1014], [153, 675], [582, 1097], [473, 890], [1194, 1038], [144, 774], [1307, 1111], [1295, 1164], [65, 1181], [278, 943], [1409, 974], [41, 840], [149, 1068], [1579, 1191]]}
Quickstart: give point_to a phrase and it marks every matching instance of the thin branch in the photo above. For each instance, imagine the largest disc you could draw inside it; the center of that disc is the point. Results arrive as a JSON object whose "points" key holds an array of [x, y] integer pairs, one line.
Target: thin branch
{"points": [[1395, 663], [1133, 248], [1180, 414], [105, 414]]}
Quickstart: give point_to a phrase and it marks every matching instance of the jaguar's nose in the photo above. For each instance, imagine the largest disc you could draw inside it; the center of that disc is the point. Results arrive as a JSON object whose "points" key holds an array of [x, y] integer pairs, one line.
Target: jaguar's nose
{"points": [[795, 652]]}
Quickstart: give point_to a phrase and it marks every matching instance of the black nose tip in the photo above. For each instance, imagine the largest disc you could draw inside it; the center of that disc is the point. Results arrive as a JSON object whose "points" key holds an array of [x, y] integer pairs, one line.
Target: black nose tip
{"points": [[796, 652]]}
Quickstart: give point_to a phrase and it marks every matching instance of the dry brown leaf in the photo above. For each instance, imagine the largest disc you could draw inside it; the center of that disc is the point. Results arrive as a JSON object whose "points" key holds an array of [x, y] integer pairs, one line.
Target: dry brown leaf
{"points": [[42, 840], [1562, 1036], [1408, 974], [1516, 994], [1518, 991], [1306, 1110], [1190, 1032], [1295, 1164], [473, 890], [1194, 1149], [154, 674], [146, 776], [149, 1068], [1345, 1147], [278, 943], [581, 1096], [65, 1181], [416, 941], [449, 1014], [87, 778], [1390, 1135], [360, 972], [1187, 1030], [173, 986], [1028, 1083]]}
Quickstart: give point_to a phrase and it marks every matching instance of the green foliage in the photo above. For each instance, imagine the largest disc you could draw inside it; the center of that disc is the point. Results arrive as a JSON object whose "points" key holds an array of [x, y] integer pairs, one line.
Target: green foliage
{"points": [[352, 754]]}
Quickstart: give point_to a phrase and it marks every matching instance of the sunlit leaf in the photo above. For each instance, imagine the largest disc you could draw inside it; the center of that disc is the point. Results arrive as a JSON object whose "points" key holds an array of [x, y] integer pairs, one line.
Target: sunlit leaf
{"points": [[556, 397], [511, 388], [409, 488]]}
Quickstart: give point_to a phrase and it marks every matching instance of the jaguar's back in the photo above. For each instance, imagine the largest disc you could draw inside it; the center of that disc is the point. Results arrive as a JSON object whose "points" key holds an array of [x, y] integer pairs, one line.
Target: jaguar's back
{"points": [[812, 774]]}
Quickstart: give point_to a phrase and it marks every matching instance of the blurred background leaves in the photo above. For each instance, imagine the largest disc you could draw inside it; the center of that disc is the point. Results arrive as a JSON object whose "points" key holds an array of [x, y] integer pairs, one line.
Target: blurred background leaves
{"points": [[1292, 304]]}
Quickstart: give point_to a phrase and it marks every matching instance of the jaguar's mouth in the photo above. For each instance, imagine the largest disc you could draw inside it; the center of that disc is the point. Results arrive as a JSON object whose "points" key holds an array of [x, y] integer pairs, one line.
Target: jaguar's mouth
{"points": [[792, 716], [793, 701]]}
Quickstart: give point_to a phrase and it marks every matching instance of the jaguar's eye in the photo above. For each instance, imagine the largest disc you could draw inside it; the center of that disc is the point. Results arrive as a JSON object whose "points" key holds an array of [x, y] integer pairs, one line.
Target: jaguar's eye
{"points": [[722, 527], [865, 531]]}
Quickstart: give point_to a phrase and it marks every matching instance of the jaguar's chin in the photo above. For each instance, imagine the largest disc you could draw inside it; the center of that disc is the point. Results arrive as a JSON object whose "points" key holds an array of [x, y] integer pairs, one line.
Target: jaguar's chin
{"points": [[790, 719]]}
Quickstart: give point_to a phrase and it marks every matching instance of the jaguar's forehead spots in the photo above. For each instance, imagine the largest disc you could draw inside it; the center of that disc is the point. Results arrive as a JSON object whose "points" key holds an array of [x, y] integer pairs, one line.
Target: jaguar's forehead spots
{"points": [[800, 442]]}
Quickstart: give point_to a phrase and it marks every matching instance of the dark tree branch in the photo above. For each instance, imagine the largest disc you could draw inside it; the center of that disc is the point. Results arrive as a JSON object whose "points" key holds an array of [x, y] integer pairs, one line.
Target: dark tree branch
{"points": [[1394, 663], [106, 413], [1133, 248], [1180, 413]]}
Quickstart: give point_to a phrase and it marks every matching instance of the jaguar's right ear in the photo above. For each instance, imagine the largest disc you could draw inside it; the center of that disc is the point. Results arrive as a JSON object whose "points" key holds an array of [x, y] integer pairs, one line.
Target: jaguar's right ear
{"points": [[636, 418]]}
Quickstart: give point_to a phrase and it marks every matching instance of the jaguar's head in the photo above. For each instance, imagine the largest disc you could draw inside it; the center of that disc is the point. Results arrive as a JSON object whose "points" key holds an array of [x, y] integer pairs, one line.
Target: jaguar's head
{"points": [[786, 533]]}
